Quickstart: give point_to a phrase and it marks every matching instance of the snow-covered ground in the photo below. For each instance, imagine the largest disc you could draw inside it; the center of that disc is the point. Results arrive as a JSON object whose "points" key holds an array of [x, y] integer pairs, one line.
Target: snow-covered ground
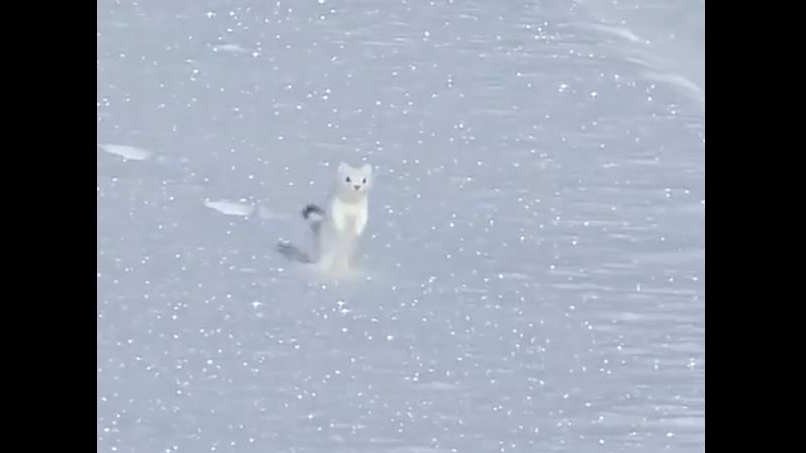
{"points": [[532, 279]]}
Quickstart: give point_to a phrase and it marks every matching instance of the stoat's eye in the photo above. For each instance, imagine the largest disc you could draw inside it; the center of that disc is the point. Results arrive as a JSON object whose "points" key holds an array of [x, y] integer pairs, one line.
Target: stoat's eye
{"points": [[348, 179], [364, 181]]}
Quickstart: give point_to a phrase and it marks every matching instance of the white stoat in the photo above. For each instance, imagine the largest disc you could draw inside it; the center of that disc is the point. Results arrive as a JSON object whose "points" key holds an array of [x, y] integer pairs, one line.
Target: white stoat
{"points": [[338, 226]]}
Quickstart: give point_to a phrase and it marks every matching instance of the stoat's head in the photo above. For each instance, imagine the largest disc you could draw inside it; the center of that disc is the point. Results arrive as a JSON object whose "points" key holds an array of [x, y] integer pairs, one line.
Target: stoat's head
{"points": [[352, 182]]}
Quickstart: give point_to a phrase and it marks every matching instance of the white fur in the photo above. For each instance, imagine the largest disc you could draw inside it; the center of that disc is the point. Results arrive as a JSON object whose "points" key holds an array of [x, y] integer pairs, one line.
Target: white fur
{"points": [[345, 219]]}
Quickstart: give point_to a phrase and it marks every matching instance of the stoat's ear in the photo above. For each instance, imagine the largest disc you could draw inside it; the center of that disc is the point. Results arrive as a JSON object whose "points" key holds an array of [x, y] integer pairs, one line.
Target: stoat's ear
{"points": [[367, 169], [343, 167]]}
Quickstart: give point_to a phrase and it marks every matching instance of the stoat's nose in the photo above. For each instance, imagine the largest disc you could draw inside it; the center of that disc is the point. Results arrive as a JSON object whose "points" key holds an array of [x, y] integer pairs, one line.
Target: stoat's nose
{"points": [[356, 187]]}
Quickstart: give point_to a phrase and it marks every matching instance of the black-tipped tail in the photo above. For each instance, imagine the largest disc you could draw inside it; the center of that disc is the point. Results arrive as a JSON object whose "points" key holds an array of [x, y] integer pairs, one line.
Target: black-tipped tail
{"points": [[312, 209]]}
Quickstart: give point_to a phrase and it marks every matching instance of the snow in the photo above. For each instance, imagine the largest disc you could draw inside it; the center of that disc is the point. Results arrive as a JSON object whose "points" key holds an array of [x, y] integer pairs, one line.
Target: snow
{"points": [[126, 152], [532, 278], [229, 207]]}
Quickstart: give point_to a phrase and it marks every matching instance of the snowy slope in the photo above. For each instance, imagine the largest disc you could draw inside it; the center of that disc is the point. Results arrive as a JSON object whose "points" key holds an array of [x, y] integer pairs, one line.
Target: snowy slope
{"points": [[534, 267]]}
